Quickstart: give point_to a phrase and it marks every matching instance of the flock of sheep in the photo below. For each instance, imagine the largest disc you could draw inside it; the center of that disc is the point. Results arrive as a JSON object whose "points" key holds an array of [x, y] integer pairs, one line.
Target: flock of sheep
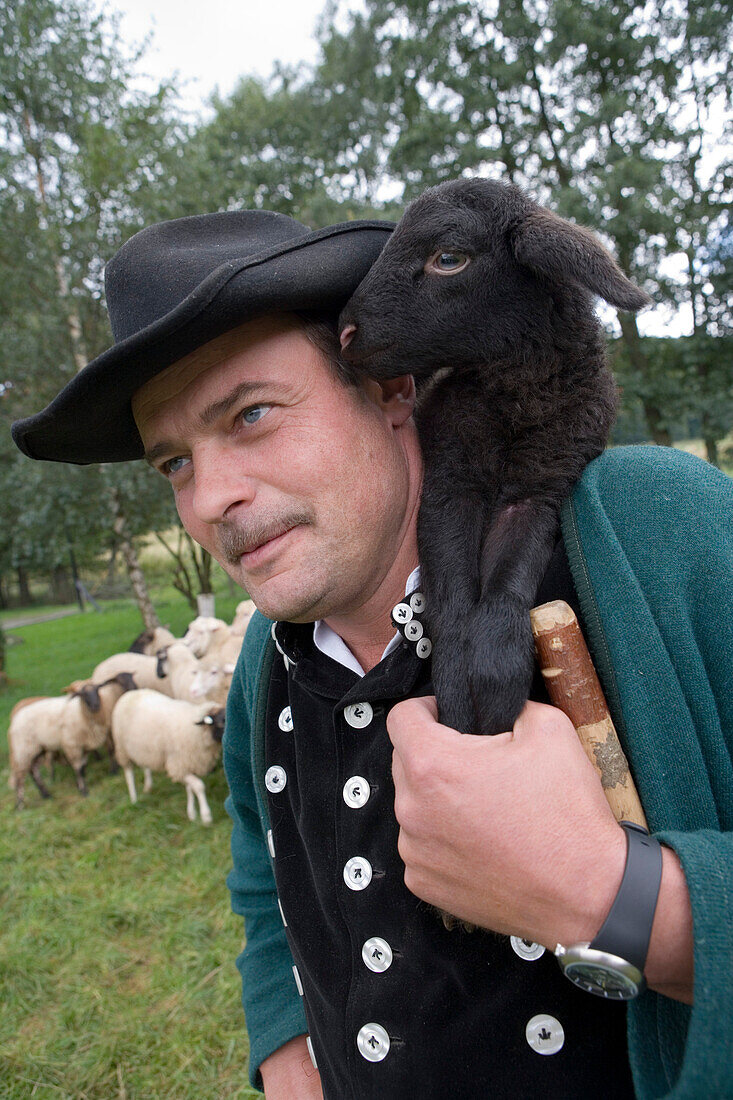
{"points": [[159, 706]]}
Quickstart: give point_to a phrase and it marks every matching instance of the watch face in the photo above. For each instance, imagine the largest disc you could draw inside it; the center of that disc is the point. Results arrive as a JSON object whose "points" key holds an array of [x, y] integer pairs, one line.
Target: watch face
{"points": [[604, 981]]}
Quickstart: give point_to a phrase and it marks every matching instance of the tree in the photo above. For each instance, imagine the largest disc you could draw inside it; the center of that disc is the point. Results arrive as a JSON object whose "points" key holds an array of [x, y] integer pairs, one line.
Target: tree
{"points": [[270, 144], [81, 151], [606, 110], [192, 573]]}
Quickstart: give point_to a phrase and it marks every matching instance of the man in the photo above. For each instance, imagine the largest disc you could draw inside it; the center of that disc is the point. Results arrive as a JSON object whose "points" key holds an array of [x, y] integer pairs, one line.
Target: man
{"points": [[305, 483]]}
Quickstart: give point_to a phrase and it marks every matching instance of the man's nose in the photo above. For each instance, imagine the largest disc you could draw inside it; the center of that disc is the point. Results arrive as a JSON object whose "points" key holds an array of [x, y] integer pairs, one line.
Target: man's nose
{"points": [[220, 484]]}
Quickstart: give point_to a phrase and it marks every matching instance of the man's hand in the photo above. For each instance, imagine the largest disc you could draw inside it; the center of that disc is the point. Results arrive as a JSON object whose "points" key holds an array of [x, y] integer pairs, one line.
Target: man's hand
{"points": [[511, 832], [514, 833], [289, 1074]]}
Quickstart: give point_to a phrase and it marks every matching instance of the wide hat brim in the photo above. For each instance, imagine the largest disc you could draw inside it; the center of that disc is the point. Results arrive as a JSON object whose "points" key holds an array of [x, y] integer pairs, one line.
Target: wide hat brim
{"points": [[91, 419]]}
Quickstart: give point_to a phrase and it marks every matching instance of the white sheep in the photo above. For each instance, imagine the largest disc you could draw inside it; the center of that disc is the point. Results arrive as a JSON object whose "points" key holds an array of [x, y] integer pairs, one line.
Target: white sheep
{"points": [[168, 735], [189, 678], [217, 646], [142, 666], [244, 612], [48, 758], [211, 683], [224, 655], [73, 724], [206, 634]]}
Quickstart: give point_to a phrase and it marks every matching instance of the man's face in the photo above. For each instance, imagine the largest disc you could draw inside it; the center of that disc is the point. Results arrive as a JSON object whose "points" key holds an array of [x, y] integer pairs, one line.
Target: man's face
{"points": [[302, 488]]}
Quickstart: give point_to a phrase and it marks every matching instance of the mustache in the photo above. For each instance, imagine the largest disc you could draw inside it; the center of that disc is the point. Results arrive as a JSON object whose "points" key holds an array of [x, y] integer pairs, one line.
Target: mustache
{"points": [[236, 539]]}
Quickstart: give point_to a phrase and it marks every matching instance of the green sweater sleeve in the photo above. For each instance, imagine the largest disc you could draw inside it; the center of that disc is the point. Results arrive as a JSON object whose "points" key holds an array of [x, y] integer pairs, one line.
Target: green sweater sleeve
{"points": [[273, 1009], [649, 533]]}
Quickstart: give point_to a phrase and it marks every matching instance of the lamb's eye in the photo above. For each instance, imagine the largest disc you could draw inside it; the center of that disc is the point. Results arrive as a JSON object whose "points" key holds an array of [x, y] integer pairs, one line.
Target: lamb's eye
{"points": [[447, 263]]}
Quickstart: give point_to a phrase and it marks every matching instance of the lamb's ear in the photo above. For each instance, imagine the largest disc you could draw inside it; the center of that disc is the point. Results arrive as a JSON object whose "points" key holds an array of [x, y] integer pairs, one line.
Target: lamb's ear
{"points": [[560, 250], [160, 664]]}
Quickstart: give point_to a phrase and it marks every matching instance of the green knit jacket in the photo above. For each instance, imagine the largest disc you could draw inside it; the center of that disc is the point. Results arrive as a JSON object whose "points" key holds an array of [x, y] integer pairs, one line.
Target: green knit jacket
{"points": [[649, 537]]}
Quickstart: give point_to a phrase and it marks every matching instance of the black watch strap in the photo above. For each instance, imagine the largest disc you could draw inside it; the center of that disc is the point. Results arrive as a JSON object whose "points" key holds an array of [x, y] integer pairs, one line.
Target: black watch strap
{"points": [[627, 929]]}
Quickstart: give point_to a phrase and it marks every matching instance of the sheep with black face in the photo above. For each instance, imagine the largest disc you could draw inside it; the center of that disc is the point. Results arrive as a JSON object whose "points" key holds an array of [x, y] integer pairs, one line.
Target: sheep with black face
{"points": [[487, 299], [169, 735], [73, 724]]}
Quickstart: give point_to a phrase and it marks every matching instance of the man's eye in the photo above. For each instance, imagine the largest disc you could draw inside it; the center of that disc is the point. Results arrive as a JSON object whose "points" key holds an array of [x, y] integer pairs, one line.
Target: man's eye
{"points": [[255, 413], [173, 465]]}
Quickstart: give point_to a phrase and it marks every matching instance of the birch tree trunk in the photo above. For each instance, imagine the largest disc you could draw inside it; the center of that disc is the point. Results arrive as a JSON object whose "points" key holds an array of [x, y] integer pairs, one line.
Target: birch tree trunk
{"points": [[80, 358], [134, 572]]}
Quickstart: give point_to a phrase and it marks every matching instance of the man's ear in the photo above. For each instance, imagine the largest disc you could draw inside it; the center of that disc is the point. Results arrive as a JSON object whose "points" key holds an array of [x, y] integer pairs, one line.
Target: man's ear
{"points": [[396, 396]]}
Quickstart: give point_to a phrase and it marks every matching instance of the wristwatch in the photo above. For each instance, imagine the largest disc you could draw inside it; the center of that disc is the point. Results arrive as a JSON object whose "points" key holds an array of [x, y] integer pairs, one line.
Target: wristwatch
{"points": [[612, 966]]}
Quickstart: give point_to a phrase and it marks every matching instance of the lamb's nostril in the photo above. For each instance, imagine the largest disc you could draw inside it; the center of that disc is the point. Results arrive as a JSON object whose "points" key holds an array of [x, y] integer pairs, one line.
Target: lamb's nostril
{"points": [[347, 335]]}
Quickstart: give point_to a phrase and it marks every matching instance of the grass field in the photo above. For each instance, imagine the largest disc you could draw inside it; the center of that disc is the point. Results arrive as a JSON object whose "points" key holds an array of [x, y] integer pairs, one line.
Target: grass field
{"points": [[117, 942]]}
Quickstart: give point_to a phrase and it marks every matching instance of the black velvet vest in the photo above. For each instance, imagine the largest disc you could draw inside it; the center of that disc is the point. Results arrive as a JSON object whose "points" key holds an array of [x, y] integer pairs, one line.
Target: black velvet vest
{"points": [[466, 1015]]}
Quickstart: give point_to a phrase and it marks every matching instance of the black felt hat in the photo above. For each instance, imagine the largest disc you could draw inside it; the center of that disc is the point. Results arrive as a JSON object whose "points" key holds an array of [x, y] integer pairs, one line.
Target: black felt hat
{"points": [[174, 287]]}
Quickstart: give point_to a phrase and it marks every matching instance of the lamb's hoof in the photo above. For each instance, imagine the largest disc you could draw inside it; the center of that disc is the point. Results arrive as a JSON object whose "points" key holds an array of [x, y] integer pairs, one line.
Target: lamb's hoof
{"points": [[207, 820], [450, 922]]}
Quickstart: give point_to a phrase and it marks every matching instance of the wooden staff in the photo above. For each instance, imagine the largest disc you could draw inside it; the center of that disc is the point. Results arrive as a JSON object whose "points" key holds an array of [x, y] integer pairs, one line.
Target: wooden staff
{"points": [[573, 687]]}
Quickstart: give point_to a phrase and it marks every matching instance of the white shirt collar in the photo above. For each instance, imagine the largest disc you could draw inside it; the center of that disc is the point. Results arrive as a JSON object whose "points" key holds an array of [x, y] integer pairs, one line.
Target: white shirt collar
{"points": [[330, 643]]}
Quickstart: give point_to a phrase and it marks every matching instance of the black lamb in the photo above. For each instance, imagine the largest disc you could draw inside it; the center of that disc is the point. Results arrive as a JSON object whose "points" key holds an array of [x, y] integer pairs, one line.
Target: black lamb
{"points": [[487, 299]]}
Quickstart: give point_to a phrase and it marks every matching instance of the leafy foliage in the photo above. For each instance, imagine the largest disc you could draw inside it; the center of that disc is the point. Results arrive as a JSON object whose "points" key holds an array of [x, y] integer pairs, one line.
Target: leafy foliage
{"points": [[80, 149], [609, 112]]}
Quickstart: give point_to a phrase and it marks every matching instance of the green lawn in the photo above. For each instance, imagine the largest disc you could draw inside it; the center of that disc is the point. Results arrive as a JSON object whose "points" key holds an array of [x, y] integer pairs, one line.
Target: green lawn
{"points": [[117, 942]]}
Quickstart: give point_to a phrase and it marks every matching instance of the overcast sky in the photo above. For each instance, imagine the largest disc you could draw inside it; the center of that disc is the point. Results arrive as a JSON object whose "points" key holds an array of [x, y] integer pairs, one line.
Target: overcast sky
{"points": [[211, 43]]}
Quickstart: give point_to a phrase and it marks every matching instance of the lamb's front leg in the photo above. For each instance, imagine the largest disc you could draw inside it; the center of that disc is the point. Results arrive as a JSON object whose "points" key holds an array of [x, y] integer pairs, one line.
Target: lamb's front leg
{"points": [[516, 550], [483, 655], [450, 526]]}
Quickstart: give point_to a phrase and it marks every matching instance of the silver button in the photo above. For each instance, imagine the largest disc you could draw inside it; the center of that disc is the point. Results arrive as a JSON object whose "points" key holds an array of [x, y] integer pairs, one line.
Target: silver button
{"points": [[271, 843], [545, 1034], [414, 631], [526, 949], [424, 648], [417, 602], [377, 955], [282, 912], [309, 1044], [285, 721], [358, 873], [356, 792], [402, 613], [275, 779], [373, 1042], [358, 715], [298, 982]]}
